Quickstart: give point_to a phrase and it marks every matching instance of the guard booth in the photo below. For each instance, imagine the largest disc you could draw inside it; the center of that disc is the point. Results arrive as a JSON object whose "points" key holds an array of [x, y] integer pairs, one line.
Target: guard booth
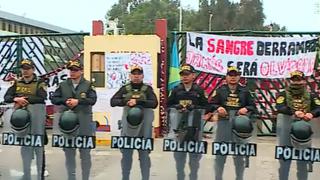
{"points": [[263, 90], [50, 53]]}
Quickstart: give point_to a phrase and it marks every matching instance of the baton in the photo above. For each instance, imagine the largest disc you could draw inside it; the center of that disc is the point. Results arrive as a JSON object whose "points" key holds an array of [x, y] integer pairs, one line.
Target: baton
{"points": [[247, 162], [310, 166]]}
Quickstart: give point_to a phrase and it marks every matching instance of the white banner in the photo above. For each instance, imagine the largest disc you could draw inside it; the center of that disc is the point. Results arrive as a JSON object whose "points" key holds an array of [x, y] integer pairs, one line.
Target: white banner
{"points": [[3, 88], [255, 57], [118, 68], [54, 81], [52, 84]]}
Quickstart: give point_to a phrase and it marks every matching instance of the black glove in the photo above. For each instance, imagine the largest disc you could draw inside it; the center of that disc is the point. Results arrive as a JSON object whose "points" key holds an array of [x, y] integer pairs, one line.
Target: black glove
{"points": [[190, 107], [178, 106]]}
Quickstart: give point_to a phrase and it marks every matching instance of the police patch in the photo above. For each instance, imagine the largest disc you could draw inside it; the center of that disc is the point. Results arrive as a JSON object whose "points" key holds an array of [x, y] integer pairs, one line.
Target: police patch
{"points": [[316, 101], [83, 95], [280, 99], [185, 103]]}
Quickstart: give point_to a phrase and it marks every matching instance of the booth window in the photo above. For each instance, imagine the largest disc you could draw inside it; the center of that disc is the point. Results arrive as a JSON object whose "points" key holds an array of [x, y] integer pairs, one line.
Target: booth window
{"points": [[98, 69]]}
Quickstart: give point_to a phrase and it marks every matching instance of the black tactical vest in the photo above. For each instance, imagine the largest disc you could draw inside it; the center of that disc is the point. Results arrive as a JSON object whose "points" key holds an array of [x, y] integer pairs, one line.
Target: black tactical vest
{"points": [[136, 93], [23, 89], [79, 92]]}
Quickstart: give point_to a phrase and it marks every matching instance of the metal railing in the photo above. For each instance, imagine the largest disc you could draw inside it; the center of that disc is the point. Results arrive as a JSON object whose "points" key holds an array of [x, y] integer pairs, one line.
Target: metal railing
{"points": [[264, 91], [48, 51]]}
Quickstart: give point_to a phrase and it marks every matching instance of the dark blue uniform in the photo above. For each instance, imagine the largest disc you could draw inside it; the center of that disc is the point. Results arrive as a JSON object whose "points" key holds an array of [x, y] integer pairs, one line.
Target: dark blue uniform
{"points": [[191, 99]]}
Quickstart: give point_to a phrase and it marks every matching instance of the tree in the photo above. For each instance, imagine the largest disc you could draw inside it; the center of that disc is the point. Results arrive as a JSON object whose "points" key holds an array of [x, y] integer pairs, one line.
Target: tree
{"points": [[274, 27], [221, 15], [138, 16], [202, 16], [142, 14], [250, 15]]}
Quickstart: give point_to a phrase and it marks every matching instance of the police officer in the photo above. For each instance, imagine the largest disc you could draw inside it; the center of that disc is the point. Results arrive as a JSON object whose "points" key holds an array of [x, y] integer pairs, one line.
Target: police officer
{"points": [[187, 96], [292, 104], [77, 93], [136, 94], [229, 101], [28, 92]]}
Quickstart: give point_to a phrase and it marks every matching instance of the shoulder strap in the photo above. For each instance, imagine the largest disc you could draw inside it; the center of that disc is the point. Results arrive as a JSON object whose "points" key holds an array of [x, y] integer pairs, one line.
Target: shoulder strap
{"points": [[180, 86], [128, 87], [144, 88], [87, 85]]}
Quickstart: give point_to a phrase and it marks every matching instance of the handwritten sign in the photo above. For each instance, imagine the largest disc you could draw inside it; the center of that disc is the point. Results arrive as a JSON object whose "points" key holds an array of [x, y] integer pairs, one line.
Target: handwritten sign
{"points": [[118, 68], [256, 57]]}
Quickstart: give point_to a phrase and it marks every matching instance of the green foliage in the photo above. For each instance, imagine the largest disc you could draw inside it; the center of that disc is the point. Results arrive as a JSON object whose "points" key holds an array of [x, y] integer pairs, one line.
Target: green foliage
{"points": [[249, 15], [138, 16]]}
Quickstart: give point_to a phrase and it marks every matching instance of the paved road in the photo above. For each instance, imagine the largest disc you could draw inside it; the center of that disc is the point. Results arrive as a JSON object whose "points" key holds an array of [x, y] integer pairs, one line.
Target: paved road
{"points": [[106, 163]]}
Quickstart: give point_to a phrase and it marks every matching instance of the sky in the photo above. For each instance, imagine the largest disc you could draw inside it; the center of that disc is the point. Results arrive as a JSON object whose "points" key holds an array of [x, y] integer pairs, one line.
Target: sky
{"points": [[77, 15]]}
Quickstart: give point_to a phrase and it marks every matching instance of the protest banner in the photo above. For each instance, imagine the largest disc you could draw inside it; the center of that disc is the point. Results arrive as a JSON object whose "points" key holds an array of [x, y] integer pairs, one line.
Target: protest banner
{"points": [[255, 57]]}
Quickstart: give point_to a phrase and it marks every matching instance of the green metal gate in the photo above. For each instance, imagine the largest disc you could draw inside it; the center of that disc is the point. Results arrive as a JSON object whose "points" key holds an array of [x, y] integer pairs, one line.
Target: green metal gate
{"points": [[48, 51]]}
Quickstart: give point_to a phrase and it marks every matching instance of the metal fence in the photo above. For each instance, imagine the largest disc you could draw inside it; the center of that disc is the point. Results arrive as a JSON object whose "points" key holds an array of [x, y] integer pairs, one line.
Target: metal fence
{"points": [[264, 91], [48, 51]]}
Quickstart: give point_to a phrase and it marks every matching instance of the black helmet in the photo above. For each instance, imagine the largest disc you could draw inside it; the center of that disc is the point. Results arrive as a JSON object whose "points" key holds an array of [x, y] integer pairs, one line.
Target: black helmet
{"points": [[242, 127], [135, 116], [301, 133], [20, 119], [68, 122]]}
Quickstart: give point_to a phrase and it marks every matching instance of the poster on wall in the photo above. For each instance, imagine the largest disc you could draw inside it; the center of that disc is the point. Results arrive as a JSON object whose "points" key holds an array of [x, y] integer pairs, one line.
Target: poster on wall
{"points": [[118, 68]]}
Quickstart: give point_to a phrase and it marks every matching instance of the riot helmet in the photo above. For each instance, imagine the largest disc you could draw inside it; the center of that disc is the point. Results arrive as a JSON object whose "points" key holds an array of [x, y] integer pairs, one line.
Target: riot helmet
{"points": [[20, 120], [135, 116], [301, 133], [242, 128], [69, 122]]}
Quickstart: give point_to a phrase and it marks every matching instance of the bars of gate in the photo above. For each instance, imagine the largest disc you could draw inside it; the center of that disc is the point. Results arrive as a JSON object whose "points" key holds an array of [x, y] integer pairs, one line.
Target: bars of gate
{"points": [[48, 51], [264, 91]]}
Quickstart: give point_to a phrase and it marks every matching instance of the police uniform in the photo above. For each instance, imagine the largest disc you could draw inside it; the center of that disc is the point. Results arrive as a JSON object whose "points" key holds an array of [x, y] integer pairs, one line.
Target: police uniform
{"points": [[87, 97], [147, 100], [232, 102], [287, 103], [193, 99], [35, 93]]}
